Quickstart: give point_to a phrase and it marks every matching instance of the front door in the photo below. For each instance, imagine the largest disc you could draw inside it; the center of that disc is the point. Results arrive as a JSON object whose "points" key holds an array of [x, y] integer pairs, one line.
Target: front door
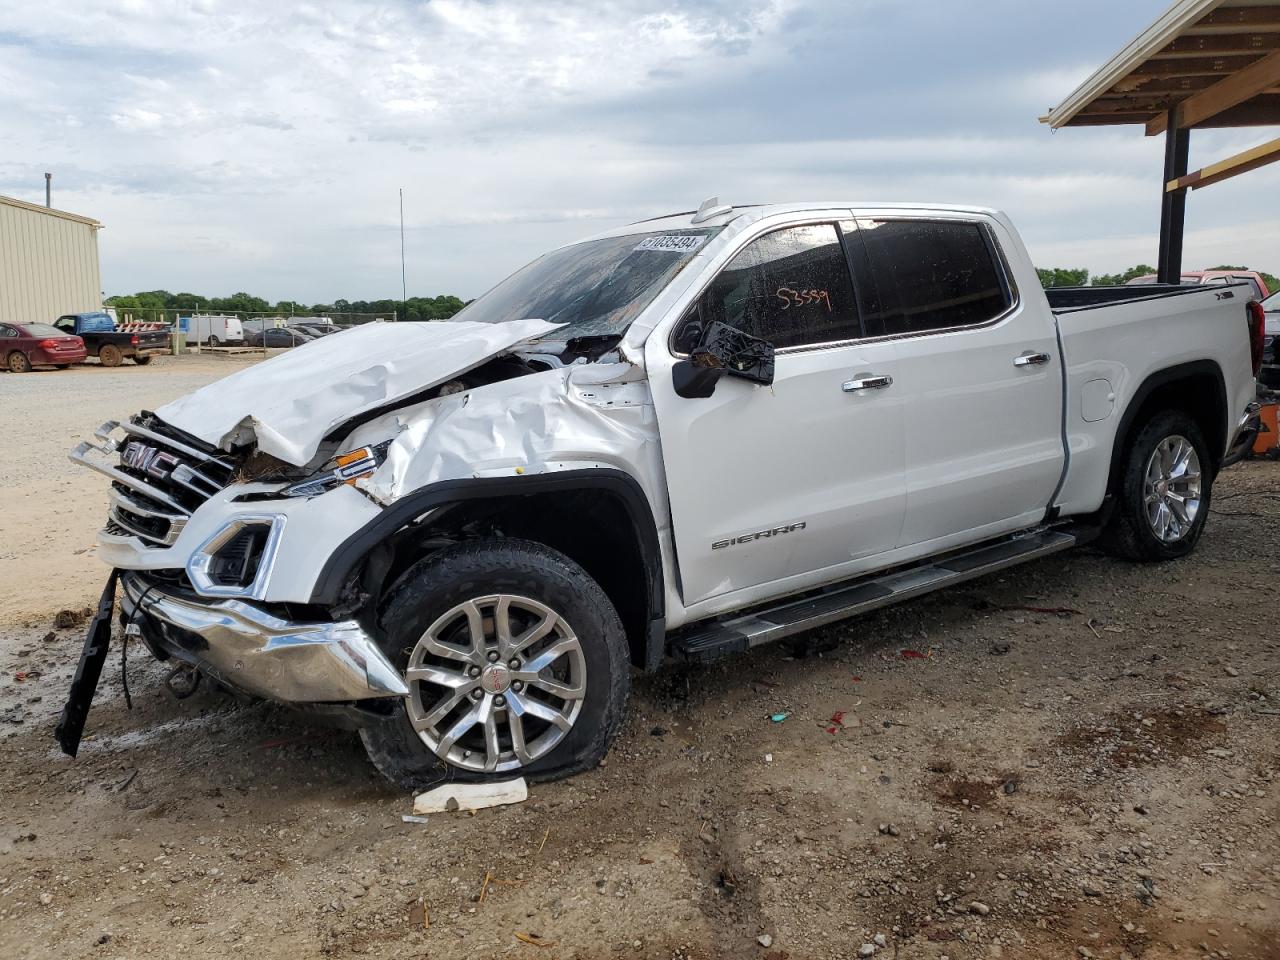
{"points": [[774, 488]]}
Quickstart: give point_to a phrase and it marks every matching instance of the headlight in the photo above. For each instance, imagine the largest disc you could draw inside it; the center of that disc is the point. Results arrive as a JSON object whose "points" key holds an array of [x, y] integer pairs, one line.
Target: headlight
{"points": [[344, 468]]}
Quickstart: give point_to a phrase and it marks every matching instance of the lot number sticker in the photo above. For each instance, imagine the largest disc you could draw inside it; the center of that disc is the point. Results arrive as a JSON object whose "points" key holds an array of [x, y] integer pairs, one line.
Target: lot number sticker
{"points": [[672, 243]]}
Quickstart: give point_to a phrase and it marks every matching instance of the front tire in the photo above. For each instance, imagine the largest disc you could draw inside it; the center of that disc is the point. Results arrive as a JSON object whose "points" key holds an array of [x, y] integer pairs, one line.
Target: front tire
{"points": [[1164, 491], [516, 662], [19, 362], [142, 360]]}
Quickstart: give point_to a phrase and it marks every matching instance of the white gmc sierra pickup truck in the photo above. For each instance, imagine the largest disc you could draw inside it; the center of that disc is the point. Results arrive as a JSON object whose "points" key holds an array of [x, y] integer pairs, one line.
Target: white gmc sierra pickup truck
{"points": [[685, 437]]}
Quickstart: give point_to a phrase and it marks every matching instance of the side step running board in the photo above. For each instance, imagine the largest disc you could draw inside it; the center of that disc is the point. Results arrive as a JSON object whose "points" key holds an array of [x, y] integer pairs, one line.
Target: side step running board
{"points": [[737, 633]]}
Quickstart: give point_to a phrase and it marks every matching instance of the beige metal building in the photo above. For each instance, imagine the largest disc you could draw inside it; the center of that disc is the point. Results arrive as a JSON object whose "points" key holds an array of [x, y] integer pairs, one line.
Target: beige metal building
{"points": [[48, 263]]}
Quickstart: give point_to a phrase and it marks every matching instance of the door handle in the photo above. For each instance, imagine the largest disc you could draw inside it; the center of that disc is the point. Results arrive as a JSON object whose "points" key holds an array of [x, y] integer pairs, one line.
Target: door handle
{"points": [[1030, 359], [866, 381]]}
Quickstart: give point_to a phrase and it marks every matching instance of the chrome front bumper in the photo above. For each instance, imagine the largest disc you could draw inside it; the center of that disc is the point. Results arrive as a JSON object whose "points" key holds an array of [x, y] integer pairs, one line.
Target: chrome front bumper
{"points": [[247, 648]]}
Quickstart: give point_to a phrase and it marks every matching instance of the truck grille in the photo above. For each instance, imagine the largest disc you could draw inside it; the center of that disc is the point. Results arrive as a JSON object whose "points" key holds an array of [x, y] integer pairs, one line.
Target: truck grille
{"points": [[161, 478]]}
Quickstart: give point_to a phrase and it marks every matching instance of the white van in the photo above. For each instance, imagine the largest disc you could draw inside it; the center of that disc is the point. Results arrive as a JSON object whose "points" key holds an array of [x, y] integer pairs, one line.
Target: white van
{"points": [[210, 330]]}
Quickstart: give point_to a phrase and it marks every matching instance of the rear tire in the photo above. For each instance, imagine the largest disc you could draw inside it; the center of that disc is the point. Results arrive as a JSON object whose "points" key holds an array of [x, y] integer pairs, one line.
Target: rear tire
{"points": [[142, 361], [504, 718], [1163, 491], [214, 342], [18, 362], [109, 355]]}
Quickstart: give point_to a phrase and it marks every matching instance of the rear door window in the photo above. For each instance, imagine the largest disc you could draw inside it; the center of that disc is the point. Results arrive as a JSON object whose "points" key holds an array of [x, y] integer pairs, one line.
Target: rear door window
{"points": [[791, 287], [934, 275]]}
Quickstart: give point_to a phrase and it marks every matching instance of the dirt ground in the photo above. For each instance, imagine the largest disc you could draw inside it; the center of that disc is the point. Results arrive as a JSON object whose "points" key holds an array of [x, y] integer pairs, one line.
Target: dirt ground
{"points": [[960, 777]]}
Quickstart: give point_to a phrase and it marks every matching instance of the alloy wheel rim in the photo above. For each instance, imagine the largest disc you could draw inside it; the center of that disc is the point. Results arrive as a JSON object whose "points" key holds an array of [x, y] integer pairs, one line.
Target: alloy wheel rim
{"points": [[496, 683], [1172, 488]]}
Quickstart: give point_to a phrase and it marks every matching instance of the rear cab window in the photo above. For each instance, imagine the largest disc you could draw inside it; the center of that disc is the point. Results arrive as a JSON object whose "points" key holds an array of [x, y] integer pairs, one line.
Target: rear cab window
{"points": [[933, 275]]}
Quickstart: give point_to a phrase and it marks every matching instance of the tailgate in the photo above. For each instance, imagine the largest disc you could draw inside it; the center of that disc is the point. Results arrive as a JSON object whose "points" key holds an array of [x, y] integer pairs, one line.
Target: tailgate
{"points": [[153, 339]]}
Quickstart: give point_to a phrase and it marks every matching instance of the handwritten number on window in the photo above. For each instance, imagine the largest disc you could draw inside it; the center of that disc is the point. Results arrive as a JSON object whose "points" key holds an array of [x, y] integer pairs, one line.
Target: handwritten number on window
{"points": [[803, 298]]}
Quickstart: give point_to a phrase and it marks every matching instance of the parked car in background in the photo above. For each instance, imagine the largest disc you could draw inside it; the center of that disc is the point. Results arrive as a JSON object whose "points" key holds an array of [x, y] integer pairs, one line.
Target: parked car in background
{"points": [[318, 324], [210, 330], [316, 329], [27, 345], [102, 339], [279, 337], [730, 427], [1196, 277], [1270, 374]]}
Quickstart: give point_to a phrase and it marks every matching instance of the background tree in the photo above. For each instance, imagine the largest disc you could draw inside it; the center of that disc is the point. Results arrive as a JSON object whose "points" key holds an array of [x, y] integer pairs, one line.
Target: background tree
{"points": [[1119, 279], [1062, 277]]}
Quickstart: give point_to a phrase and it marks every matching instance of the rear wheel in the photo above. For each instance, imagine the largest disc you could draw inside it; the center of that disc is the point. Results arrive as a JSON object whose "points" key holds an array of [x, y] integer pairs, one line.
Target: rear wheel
{"points": [[516, 662], [110, 355], [18, 362], [141, 359], [1164, 491], [214, 342]]}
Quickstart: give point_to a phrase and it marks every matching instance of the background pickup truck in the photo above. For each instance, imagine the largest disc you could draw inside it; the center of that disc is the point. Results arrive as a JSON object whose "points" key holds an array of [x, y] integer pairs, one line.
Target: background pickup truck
{"points": [[727, 427], [109, 345]]}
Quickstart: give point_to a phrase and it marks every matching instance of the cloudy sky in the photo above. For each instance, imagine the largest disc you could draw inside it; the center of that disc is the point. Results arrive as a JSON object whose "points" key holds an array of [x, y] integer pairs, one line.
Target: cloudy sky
{"points": [[233, 145]]}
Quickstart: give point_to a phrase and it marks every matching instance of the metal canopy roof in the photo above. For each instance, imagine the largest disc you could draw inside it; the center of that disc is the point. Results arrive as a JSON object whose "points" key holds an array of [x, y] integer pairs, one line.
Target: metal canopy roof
{"points": [[1216, 61]]}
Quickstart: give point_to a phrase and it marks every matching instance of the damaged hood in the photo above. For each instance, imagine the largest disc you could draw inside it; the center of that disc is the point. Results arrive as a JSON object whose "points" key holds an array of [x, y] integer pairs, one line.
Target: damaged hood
{"points": [[290, 403]]}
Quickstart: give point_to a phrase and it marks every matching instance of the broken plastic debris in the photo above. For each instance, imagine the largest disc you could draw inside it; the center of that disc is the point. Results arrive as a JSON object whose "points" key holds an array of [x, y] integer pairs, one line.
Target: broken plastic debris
{"points": [[534, 939], [779, 717], [411, 818], [470, 796], [912, 655]]}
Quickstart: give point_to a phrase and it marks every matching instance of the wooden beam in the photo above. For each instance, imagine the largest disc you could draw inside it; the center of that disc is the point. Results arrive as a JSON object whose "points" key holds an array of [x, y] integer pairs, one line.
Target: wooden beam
{"points": [[1262, 111], [1241, 17], [1195, 66], [1226, 93], [1132, 86], [1108, 119], [1229, 43], [1228, 168]]}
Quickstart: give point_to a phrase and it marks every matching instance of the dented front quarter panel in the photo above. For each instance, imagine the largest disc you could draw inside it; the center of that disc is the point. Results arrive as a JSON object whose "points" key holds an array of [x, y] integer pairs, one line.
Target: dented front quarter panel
{"points": [[590, 415]]}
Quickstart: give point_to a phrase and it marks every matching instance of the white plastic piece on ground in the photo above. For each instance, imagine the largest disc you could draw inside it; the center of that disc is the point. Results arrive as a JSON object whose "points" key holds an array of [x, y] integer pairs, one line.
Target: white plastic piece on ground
{"points": [[470, 796], [292, 401], [412, 818]]}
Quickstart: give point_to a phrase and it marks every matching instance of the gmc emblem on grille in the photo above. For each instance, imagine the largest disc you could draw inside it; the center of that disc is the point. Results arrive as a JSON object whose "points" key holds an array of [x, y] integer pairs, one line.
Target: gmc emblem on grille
{"points": [[148, 460]]}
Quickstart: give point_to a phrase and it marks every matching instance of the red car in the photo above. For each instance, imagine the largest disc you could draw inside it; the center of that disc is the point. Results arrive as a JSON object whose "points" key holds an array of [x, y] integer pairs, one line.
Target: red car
{"points": [[27, 345]]}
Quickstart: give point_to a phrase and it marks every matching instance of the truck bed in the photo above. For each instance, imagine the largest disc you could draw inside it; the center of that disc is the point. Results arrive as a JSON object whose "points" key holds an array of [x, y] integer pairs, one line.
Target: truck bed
{"points": [[1067, 299]]}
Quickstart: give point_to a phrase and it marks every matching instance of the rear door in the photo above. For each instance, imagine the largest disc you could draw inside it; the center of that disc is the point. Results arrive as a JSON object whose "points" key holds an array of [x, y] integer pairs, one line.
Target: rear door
{"points": [[775, 487], [983, 430]]}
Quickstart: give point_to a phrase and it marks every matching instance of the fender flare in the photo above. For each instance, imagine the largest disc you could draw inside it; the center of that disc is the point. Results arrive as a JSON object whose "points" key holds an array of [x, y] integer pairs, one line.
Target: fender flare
{"points": [[1148, 386], [342, 564]]}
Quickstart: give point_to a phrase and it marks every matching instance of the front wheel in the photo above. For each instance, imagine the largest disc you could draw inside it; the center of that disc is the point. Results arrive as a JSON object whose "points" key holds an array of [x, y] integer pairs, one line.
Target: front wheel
{"points": [[141, 359], [19, 363], [1164, 491], [516, 663]]}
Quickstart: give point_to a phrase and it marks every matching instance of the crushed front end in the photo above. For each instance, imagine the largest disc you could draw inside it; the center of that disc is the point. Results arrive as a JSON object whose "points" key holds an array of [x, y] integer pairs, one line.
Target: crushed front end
{"points": [[215, 564]]}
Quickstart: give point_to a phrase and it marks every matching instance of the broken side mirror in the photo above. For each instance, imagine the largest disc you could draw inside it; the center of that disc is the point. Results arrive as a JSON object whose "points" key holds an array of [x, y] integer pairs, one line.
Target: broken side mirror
{"points": [[724, 351]]}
